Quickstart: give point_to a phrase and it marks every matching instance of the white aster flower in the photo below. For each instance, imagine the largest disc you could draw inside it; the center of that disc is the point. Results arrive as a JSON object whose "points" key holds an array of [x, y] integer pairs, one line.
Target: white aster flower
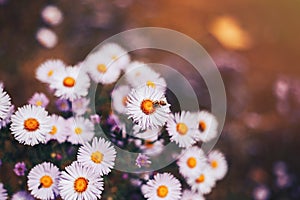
{"points": [[46, 70], [4, 104], [101, 68], [39, 99], [152, 147], [148, 107], [182, 128], [99, 156], [70, 83], [3, 192], [58, 129], [43, 181], [163, 187], [117, 54], [207, 126], [148, 134], [190, 195], [218, 164], [140, 74], [52, 15], [119, 98], [80, 106], [191, 161], [30, 124], [80, 130], [46, 37], [203, 182], [80, 183]]}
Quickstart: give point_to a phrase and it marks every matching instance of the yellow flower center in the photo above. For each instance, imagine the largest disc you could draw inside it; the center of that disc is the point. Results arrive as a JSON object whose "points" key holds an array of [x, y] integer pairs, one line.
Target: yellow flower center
{"points": [[97, 157], [191, 162], [53, 130], [200, 179], [202, 126], [150, 84], [78, 130], [148, 144], [69, 82], [147, 106], [46, 181], [50, 73], [214, 164], [162, 191], [102, 68], [125, 100], [114, 57], [182, 128], [81, 184], [31, 124], [38, 103]]}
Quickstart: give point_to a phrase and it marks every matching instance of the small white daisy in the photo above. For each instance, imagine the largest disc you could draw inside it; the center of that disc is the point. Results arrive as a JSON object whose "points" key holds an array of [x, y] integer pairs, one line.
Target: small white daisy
{"points": [[218, 164], [203, 182], [182, 128], [148, 107], [191, 161], [4, 104], [3, 192], [70, 83], [101, 68], [148, 134], [43, 181], [80, 130], [80, 106], [117, 54], [39, 99], [30, 124], [45, 71], [190, 195], [99, 156], [140, 74], [119, 98], [52, 15], [58, 131], [81, 183], [152, 147], [163, 187], [207, 126], [46, 37]]}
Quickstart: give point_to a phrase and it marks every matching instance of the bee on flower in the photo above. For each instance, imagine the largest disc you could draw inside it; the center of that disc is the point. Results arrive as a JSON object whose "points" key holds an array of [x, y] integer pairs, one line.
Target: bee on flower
{"points": [[43, 181], [144, 108]]}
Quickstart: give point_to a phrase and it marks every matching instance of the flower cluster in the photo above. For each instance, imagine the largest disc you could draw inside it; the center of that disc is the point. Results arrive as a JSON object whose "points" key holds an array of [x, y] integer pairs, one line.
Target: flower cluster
{"points": [[140, 119]]}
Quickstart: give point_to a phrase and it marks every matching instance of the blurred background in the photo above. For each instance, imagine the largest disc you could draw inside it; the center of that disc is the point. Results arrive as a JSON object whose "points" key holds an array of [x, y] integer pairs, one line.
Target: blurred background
{"points": [[255, 44]]}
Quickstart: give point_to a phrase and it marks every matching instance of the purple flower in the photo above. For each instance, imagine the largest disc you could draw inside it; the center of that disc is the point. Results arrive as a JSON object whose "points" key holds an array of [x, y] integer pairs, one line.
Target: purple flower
{"points": [[142, 160], [63, 105], [39, 99], [20, 168], [95, 119], [80, 106], [22, 195]]}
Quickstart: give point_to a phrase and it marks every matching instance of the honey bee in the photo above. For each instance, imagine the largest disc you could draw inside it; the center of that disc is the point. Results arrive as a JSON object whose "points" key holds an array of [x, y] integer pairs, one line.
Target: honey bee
{"points": [[159, 103]]}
